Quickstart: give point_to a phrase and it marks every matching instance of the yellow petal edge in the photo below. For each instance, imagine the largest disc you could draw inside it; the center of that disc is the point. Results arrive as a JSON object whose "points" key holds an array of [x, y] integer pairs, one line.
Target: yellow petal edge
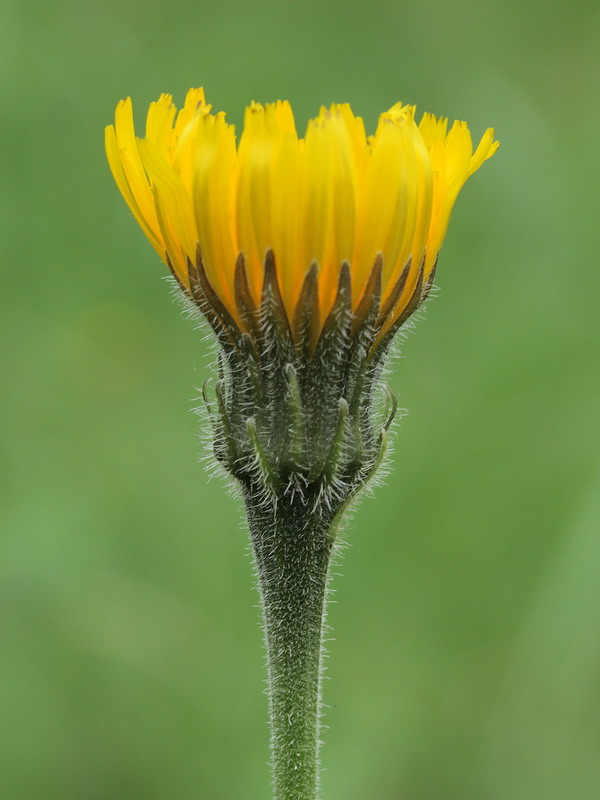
{"points": [[336, 195]]}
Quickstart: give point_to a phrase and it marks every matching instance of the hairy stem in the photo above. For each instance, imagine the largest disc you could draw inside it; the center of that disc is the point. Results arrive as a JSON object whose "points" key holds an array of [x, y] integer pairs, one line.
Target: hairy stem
{"points": [[292, 546]]}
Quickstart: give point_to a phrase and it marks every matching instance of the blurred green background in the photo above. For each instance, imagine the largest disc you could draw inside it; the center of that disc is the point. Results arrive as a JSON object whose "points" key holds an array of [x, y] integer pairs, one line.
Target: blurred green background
{"points": [[466, 663]]}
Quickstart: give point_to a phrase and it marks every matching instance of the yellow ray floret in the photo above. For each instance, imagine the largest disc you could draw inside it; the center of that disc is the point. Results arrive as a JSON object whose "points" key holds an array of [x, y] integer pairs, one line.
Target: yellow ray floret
{"points": [[336, 195]]}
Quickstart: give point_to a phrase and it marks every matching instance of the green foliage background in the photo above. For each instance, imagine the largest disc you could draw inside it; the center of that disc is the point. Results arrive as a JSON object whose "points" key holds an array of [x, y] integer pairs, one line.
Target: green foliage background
{"points": [[467, 621]]}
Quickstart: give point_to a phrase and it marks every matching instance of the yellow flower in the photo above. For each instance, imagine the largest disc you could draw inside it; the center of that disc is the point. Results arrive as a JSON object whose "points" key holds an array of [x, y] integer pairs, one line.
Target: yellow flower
{"points": [[334, 196]]}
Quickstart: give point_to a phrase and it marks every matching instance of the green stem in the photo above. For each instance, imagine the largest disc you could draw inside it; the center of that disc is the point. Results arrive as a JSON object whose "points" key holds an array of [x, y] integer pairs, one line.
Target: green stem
{"points": [[292, 546]]}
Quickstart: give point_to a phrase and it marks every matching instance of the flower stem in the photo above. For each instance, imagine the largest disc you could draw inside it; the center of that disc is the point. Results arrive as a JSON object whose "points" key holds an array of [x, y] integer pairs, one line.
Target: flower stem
{"points": [[292, 546]]}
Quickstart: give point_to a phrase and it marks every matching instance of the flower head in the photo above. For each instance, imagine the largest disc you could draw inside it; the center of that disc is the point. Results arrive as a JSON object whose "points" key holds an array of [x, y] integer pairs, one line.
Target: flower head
{"points": [[305, 255], [337, 196]]}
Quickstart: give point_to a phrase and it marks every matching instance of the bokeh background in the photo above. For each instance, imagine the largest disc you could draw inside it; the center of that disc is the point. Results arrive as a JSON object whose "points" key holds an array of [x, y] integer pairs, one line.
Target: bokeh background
{"points": [[466, 658]]}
